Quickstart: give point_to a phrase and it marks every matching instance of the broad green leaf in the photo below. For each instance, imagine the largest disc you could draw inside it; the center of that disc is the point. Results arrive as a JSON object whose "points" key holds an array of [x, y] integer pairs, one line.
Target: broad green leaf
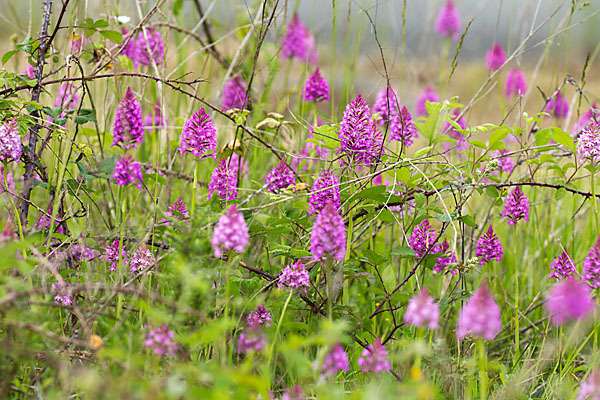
{"points": [[113, 36]]}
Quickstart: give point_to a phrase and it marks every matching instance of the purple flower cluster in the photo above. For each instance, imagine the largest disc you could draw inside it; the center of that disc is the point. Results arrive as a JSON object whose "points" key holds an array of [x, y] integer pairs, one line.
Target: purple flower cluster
{"points": [[402, 127], [443, 262], [360, 139], [154, 119], [160, 340], [178, 210], [374, 358], [224, 182], [422, 239], [280, 177], [422, 310], [141, 260], [128, 130], [316, 88], [516, 207], [588, 144], [448, 21], [336, 360], [142, 51], [427, 95], [516, 84], [231, 232], [234, 94], [562, 267], [506, 163], [480, 317], [10, 142], [489, 247], [386, 104], [570, 299], [253, 340], [586, 118], [298, 42], [558, 106], [495, 58], [62, 293], [260, 317], [328, 236], [113, 256], [590, 388], [591, 266], [324, 190], [46, 219], [199, 135], [128, 171], [294, 276]]}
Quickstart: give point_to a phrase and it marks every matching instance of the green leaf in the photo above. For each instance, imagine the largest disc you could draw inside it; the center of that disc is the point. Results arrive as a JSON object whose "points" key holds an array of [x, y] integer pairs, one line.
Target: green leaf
{"points": [[113, 36], [8, 55], [177, 5], [107, 165], [403, 251], [373, 193], [560, 193], [100, 24], [422, 152], [419, 200], [479, 143], [492, 191], [468, 220], [543, 137], [497, 135], [563, 138], [85, 115], [428, 126]]}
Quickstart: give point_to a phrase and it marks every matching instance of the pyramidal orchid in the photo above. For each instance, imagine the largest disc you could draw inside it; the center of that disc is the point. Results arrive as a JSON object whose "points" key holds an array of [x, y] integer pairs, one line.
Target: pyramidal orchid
{"points": [[402, 127], [516, 207], [294, 276], [325, 189], [480, 317], [199, 135], [489, 247], [10, 142], [422, 239], [234, 94], [588, 144], [360, 139], [562, 266], [569, 300], [558, 106], [422, 310], [586, 118], [591, 266], [280, 177], [316, 88], [298, 42], [336, 360], [448, 21], [374, 358], [328, 236], [230, 233], [224, 182], [495, 58], [128, 130], [516, 84], [128, 171], [386, 104]]}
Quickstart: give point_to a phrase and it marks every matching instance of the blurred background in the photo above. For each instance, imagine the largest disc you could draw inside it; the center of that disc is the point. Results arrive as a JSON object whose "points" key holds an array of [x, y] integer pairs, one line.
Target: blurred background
{"points": [[560, 35]]}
